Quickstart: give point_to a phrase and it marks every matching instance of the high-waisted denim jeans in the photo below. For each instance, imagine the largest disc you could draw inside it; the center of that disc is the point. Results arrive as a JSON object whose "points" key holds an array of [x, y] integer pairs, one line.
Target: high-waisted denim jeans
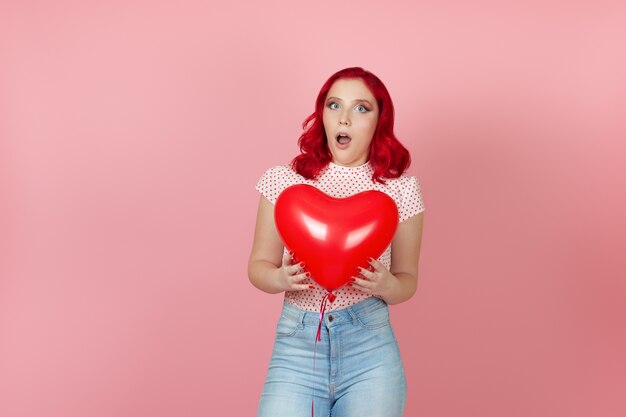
{"points": [[358, 368]]}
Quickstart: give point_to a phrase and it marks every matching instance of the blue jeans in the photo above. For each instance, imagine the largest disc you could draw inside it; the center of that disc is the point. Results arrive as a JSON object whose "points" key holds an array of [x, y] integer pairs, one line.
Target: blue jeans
{"points": [[358, 368]]}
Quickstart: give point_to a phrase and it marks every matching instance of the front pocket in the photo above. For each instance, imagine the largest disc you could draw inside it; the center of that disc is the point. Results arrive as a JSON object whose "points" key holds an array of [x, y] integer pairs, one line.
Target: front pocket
{"points": [[286, 327], [375, 319]]}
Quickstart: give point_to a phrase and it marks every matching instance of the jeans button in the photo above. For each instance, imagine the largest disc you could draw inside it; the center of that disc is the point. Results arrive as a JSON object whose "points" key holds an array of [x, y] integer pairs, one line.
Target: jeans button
{"points": [[330, 317]]}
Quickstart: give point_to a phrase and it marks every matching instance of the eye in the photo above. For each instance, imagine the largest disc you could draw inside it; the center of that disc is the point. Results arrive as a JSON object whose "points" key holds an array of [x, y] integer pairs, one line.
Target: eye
{"points": [[332, 104], [362, 109]]}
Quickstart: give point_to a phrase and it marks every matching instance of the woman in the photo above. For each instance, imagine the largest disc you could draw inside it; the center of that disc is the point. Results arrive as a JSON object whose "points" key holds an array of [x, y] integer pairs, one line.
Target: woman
{"points": [[348, 146]]}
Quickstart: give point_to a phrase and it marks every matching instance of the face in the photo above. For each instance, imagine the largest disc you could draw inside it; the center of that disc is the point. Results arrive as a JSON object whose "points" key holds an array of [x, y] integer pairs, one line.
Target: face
{"points": [[350, 117]]}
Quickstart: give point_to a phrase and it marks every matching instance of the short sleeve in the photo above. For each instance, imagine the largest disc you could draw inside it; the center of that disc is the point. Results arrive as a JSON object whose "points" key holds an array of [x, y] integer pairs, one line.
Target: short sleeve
{"points": [[412, 202], [271, 183]]}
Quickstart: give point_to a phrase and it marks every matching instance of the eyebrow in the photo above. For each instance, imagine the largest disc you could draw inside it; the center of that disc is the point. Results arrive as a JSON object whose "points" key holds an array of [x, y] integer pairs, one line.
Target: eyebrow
{"points": [[354, 101]]}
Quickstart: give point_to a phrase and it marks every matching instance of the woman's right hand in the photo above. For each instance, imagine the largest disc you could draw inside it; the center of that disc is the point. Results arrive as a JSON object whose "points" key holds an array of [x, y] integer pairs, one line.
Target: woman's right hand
{"points": [[292, 277]]}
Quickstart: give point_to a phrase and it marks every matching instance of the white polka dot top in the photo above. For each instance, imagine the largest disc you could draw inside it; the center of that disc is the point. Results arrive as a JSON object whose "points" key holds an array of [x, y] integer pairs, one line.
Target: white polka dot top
{"points": [[340, 182]]}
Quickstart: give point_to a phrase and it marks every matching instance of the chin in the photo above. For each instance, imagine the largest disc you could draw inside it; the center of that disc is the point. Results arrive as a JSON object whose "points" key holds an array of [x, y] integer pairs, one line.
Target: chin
{"points": [[341, 159]]}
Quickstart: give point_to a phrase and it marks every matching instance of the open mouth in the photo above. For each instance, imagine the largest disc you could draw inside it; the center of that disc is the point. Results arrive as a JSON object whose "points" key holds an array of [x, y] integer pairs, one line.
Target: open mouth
{"points": [[343, 138]]}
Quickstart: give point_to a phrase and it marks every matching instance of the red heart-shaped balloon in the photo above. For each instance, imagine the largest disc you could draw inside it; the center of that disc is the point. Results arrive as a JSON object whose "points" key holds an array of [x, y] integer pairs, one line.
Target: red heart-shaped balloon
{"points": [[333, 236]]}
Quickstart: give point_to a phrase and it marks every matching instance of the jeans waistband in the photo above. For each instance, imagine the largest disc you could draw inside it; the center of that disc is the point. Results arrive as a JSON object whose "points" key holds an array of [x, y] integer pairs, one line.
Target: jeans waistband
{"points": [[350, 313]]}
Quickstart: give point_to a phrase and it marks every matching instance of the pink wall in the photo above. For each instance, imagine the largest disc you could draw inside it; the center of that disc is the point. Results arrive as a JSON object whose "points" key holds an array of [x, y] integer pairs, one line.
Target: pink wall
{"points": [[132, 134]]}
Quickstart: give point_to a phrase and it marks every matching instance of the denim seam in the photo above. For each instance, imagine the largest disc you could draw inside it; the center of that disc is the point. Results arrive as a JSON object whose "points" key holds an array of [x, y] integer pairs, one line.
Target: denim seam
{"points": [[362, 314], [373, 326], [370, 309], [353, 315], [298, 324]]}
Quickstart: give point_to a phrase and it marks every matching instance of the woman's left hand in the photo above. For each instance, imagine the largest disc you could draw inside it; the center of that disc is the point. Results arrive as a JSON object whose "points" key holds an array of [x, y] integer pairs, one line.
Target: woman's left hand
{"points": [[377, 282]]}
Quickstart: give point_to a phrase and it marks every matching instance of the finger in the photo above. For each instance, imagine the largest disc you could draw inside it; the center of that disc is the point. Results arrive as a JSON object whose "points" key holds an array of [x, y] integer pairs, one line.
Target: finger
{"points": [[294, 258], [360, 282], [294, 269], [299, 282], [300, 277], [301, 287], [287, 260], [362, 285], [367, 273], [375, 264]]}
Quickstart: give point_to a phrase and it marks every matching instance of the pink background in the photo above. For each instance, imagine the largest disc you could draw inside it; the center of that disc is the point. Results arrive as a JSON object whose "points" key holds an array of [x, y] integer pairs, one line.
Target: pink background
{"points": [[131, 137]]}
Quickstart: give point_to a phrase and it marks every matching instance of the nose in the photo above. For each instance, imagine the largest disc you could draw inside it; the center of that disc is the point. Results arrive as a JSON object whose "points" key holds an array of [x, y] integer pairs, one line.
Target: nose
{"points": [[344, 119]]}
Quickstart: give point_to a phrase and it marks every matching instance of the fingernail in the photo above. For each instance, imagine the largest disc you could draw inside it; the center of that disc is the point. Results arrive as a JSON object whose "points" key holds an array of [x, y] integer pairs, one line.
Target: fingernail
{"points": [[310, 286], [302, 264], [307, 274]]}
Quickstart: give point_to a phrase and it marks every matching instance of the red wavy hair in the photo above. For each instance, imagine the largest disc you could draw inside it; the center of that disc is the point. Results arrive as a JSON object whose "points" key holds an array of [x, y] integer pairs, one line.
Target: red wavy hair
{"points": [[388, 156]]}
